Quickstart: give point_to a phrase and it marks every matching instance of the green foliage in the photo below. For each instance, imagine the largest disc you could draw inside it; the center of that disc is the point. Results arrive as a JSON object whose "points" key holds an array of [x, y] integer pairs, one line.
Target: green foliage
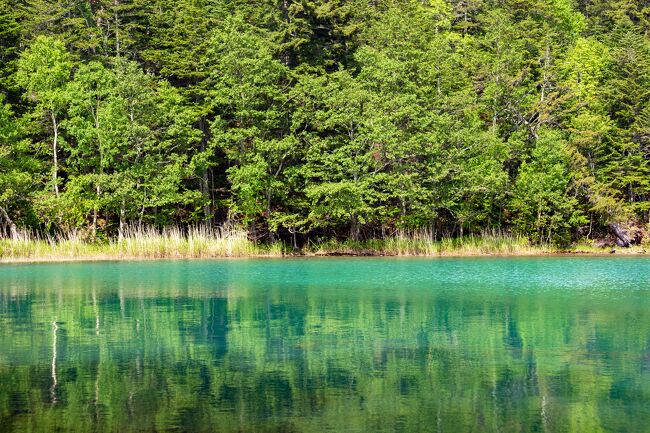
{"points": [[43, 71], [248, 90], [542, 203], [18, 172], [329, 118], [133, 142], [10, 40]]}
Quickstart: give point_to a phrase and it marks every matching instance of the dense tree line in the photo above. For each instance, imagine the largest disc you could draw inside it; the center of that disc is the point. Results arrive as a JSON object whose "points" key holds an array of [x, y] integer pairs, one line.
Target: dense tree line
{"points": [[350, 118]]}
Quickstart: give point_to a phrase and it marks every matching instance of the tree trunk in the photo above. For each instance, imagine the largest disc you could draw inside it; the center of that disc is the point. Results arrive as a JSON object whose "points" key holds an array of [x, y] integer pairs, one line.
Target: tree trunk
{"points": [[622, 236], [120, 233], [55, 159], [205, 179], [355, 229], [95, 212], [13, 230], [254, 231], [547, 58], [268, 214], [287, 55]]}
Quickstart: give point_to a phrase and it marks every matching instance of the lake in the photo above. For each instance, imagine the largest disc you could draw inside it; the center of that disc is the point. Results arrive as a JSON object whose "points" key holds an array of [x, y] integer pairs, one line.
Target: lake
{"points": [[552, 344]]}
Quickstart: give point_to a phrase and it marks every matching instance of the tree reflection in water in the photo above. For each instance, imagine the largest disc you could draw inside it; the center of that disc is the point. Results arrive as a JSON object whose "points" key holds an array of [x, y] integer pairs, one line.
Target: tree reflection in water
{"points": [[287, 346]]}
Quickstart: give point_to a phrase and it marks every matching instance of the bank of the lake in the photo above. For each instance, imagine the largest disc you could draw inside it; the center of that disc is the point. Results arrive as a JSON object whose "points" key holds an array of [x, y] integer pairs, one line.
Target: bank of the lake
{"points": [[196, 245]]}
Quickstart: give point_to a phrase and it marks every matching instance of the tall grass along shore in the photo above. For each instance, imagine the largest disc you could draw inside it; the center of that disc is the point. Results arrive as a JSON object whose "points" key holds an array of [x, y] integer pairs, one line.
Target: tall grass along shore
{"points": [[142, 243], [201, 242]]}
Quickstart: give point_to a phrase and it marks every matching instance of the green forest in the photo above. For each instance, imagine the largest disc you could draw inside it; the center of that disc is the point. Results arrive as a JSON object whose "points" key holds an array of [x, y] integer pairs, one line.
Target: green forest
{"points": [[342, 119]]}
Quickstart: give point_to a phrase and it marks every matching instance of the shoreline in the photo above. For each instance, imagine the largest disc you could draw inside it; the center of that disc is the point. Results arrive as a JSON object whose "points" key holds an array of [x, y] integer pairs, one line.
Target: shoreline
{"points": [[44, 259], [236, 245]]}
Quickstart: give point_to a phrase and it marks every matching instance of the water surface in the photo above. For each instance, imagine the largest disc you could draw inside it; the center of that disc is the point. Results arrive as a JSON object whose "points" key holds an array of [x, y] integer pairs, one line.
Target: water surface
{"points": [[314, 345]]}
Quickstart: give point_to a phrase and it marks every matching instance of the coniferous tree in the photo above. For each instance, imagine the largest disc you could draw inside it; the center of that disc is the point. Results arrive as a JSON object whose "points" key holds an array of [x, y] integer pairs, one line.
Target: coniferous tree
{"points": [[327, 117]]}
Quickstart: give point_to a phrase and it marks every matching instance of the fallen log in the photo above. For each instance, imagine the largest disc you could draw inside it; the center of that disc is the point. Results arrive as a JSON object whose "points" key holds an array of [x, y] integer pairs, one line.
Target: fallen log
{"points": [[622, 236]]}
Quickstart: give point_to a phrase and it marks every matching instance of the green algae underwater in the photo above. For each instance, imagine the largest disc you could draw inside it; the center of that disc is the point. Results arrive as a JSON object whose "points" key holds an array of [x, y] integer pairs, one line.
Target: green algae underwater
{"points": [[552, 344]]}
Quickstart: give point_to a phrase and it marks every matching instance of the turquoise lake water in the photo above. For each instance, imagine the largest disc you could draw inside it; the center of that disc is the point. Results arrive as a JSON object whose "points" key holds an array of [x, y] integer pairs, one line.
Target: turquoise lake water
{"points": [[314, 345]]}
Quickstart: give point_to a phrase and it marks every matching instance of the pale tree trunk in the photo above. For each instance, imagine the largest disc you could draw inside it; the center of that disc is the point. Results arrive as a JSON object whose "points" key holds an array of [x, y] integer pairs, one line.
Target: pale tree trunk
{"points": [[268, 213], [547, 60], [205, 190], [95, 211], [120, 233], [55, 160], [13, 230], [142, 209]]}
